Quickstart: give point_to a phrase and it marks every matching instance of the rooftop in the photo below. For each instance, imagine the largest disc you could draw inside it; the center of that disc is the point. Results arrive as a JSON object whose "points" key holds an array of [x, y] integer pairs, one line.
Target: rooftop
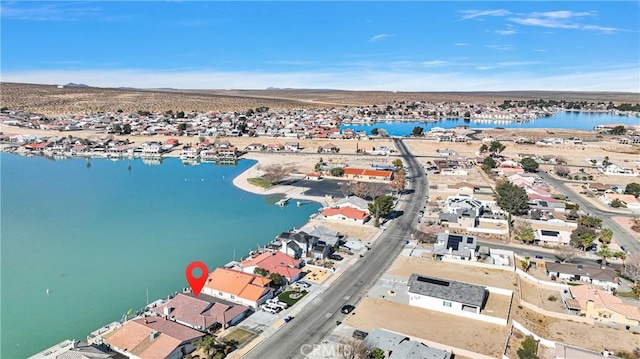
{"points": [[465, 293]]}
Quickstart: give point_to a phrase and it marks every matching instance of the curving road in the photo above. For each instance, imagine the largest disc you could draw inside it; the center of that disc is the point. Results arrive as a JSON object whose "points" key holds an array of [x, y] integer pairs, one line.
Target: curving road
{"points": [[620, 235], [319, 317]]}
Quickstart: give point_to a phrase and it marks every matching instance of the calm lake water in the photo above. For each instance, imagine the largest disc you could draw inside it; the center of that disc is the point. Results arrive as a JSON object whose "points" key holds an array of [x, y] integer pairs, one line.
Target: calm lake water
{"points": [[567, 120], [99, 237]]}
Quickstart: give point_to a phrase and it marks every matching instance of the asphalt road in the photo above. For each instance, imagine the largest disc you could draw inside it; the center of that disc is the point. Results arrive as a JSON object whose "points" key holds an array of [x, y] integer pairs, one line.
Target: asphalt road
{"points": [[319, 317], [620, 235]]}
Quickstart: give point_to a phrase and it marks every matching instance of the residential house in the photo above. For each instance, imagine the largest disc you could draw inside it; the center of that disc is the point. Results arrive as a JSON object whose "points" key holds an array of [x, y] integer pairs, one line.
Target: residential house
{"points": [[546, 236], [73, 349], [444, 295], [602, 277], [329, 148], [464, 188], [313, 176], [603, 306], [464, 205], [292, 146], [353, 202], [296, 243], [628, 200], [456, 246], [201, 314], [326, 235], [275, 147], [346, 214], [152, 338], [274, 262], [614, 169], [564, 351], [239, 287], [397, 346], [359, 173], [255, 147], [598, 187]]}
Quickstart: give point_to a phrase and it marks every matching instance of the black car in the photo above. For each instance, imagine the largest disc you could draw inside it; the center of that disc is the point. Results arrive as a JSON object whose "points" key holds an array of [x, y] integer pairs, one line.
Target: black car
{"points": [[347, 309], [335, 257]]}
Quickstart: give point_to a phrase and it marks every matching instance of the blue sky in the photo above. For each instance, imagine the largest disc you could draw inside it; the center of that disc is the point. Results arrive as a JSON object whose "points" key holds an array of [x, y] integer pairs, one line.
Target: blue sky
{"points": [[406, 46]]}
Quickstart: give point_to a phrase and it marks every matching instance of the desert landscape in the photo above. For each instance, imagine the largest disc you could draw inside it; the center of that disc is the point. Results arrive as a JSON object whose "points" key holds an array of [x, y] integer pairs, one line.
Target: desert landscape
{"points": [[53, 101]]}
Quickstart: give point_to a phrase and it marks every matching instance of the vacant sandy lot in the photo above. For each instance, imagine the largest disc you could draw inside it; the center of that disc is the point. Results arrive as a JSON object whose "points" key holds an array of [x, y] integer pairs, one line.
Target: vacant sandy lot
{"points": [[540, 297], [497, 305], [443, 328], [627, 223], [405, 266], [353, 231], [594, 337]]}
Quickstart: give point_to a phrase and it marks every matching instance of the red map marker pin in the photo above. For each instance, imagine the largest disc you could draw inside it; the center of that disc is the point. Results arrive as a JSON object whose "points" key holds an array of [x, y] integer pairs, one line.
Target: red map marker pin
{"points": [[196, 284]]}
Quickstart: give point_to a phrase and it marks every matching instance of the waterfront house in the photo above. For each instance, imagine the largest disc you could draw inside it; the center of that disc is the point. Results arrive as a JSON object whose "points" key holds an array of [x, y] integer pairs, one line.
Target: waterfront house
{"points": [[153, 337], [239, 287], [199, 313], [446, 296], [604, 307], [598, 276], [74, 349], [346, 214], [353, 202], [274, 262], [298, 242], [326, 235]]}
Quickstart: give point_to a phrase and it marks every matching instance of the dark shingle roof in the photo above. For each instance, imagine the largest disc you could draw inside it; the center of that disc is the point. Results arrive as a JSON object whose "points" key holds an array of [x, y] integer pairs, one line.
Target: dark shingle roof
{"points": [[464, 293]]}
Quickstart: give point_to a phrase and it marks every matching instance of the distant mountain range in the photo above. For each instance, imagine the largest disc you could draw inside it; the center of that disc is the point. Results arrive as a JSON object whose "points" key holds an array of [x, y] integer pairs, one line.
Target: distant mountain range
{"points": [[71, 84]]}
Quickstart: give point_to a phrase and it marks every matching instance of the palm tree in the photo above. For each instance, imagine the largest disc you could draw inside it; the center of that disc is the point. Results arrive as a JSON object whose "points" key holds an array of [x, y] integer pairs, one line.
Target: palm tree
{"points": [[606, 235], [586, 240], [605, 253], [207, 344], [620, 255]]}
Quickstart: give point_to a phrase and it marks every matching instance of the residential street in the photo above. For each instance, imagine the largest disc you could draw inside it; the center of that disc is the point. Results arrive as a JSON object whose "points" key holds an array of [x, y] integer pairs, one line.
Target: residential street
{"points": [[319, 318], [620, 235]]}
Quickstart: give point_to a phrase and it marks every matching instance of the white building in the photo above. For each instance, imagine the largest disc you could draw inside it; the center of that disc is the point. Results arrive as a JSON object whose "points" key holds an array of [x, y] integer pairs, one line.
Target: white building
{"points": [[445, 296]]}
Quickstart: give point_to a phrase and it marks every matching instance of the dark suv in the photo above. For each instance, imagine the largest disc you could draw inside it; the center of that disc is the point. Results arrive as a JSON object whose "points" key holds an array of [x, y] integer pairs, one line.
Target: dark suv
{"points": [[347, 309]]}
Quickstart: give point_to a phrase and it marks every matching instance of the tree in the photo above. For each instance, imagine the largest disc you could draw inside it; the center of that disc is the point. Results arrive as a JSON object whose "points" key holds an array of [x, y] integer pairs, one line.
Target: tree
{"points": [[117, 128], [207, 344], [618, 130], [488, 164], [380, 208], [337, 171], [632, 267], [484, 148], [529, 164], [605, 235], [399, 181], [375, 131], [620, 255], [617, 203], [566, 253], [356, 349], [377, 353], [562, 171], [511, 198], [182, 127], [633, 188], [276, 172], [590, 221], [525, 264], [604, 253], [496, 147], [397, 163], [260, 271], [126, 129], [582, 237], [529, 348], [180, 114], [417, 131], [276, 279], [525, 234]]}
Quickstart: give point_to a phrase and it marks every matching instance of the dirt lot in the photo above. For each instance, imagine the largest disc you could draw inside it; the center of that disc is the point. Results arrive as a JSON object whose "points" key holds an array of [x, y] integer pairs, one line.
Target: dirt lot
{"points": [[458, 332], [593, 337], [497, 305], [515, 343], [405, 266], [627, 223], [540, 297]]}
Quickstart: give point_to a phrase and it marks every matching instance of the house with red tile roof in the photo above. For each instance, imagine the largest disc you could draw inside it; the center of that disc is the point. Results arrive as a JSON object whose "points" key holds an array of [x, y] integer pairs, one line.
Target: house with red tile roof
{"points": [[346, 214], [152, 338], [239, 287], [274, 262], [603, 306], [368, 174], [201, 313]]}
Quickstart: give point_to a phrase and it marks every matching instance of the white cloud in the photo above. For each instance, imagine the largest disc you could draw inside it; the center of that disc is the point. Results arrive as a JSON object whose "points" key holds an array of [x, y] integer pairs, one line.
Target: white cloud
{"points": [[33, 11], [470, 14], [435, 63], [506, 32], [561, 20], [619, 79], [500, 47], [461, 44], [379, 37]]}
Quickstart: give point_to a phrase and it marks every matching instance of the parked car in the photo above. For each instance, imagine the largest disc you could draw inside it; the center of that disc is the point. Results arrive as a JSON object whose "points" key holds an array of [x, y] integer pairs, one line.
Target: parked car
{"points": [[335, 257], [347, 309], [359, 334], [275, 302], [270, 308], [301, 285]]}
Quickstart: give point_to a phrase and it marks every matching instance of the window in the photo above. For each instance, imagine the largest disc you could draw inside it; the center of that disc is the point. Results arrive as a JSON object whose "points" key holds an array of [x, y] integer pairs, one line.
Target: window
{"points": [[446, 303], [220, 294], [233, 297]]}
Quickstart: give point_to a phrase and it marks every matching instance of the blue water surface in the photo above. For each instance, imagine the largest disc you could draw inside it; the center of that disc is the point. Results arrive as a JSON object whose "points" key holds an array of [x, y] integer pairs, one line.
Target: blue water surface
{"points": [[560, 120], [99, 235]]}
